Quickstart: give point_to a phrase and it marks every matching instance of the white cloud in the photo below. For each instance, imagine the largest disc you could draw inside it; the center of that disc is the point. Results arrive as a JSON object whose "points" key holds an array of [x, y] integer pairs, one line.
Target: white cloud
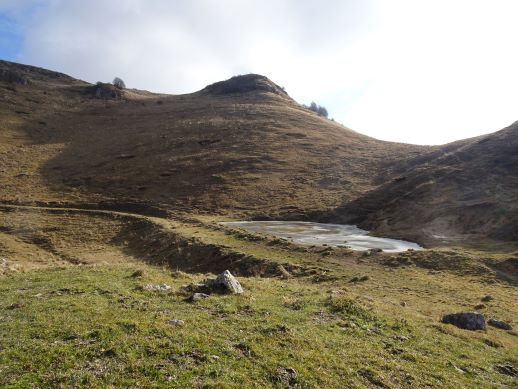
{"points": [[403, 70]]}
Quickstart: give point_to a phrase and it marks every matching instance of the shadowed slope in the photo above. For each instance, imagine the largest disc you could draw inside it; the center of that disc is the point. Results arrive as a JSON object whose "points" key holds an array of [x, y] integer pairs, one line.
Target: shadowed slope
{"points": [[464, 191]]}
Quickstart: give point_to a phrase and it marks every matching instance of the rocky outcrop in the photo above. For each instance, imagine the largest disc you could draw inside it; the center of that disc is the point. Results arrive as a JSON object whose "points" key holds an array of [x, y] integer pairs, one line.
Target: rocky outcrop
{"points": [[244, 84], [13, 77], [104, 91]]}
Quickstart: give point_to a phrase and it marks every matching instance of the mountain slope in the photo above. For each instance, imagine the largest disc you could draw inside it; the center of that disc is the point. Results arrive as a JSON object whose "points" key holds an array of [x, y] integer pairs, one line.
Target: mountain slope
{"points": [[243, 148], [464, 191], [237, 145]]}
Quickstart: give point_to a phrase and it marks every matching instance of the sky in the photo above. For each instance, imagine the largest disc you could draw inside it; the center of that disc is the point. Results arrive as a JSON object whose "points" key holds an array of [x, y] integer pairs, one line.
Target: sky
{"points": [[413, 71]]}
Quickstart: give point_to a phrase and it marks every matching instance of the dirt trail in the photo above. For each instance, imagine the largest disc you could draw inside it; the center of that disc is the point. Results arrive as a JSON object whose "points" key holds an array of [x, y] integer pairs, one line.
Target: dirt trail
{"points": [[82, 210]]}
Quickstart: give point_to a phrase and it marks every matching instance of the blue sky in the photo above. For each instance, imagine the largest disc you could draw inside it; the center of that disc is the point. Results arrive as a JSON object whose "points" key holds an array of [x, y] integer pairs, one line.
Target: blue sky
{"points": [[414, 71], [11, 38]]}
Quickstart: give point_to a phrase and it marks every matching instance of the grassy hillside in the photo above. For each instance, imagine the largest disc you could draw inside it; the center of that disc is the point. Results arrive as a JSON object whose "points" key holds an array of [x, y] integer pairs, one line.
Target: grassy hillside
{"points": [[221, 149], [78, 316]]}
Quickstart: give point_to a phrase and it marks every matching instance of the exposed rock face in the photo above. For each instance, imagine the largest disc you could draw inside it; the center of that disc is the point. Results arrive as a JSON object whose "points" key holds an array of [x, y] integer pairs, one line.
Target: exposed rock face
{"points": [[225, 282], [466, 320], [12, 77], [244, 84], [499, 324]]}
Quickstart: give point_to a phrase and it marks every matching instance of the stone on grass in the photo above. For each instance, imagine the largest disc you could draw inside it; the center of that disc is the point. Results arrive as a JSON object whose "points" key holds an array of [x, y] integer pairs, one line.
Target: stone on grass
{"points": [[283, 272], [156, 288], [370, 252], [486, 298], [198, 296], [466, 320], [286, 376], [507, 369], [176, 323], [360, 279], [499, 324], [225, 282]]}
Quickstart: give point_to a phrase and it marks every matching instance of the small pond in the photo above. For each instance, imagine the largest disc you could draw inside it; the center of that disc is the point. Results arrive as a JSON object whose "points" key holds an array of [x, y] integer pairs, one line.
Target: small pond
{"points": [[338, 235]]}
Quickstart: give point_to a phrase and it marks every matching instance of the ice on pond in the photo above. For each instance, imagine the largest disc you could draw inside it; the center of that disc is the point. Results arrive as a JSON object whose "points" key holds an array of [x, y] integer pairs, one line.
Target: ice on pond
{"points": [[339, 235]]}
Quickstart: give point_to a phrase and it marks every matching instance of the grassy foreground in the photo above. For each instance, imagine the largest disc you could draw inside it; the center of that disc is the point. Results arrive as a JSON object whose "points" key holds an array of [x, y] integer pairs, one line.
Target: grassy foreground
{"points": [[94, 326]]}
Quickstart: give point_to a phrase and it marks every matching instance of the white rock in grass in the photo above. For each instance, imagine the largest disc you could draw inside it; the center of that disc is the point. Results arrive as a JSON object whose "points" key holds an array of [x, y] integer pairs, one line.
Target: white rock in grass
{"points": [[158, 288], [226, 282]]}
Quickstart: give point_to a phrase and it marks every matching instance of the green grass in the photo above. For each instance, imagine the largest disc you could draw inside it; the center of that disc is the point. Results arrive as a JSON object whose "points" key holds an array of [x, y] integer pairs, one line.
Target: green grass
{"points": [[93, 326]]}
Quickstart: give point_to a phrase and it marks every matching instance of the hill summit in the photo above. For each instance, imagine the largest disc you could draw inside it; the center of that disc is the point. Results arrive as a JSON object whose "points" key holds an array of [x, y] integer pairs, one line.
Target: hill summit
{"points": [[244, 84]]}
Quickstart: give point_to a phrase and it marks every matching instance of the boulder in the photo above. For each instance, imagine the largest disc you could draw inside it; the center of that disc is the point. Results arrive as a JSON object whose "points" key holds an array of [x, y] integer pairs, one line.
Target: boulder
{"points": [[466, 320], [499, 324], [225, 282]]}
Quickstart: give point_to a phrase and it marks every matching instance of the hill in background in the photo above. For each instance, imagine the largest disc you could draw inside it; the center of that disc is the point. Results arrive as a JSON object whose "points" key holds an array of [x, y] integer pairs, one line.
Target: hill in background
{"points": [[244, 148]]}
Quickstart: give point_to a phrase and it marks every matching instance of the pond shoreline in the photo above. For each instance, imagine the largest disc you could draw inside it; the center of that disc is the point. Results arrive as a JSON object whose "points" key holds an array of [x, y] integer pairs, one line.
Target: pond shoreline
{"points": [[334, 235]]}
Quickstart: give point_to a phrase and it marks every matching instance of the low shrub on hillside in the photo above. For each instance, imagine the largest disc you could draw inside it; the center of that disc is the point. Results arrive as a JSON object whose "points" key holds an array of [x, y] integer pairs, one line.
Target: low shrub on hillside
{"points": [[322, 111], [118, 83]]}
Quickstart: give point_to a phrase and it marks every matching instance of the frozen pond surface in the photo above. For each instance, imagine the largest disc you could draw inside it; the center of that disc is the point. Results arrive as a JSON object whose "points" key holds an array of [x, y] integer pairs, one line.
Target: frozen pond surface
{"points": [[341, 235]]}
